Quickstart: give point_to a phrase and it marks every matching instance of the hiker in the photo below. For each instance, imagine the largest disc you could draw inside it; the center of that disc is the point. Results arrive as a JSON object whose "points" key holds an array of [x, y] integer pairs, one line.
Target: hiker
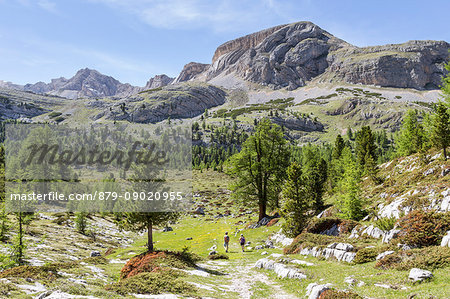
{"points": [[226, 240], [242, 242]]}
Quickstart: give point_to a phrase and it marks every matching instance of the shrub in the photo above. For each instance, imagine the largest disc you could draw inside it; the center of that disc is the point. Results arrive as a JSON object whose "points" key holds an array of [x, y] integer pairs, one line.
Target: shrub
{"points": [[218, 256], [59, 119], [157, 282], [319, 225], [308, 240], [81, 222], [54, 114], [365, 255], [424, 258], [421, 228], [386, 223], [336, 294], [389, 262], [273, 222], [6, 288], [149, 261], [61, 219], [47, 272]]}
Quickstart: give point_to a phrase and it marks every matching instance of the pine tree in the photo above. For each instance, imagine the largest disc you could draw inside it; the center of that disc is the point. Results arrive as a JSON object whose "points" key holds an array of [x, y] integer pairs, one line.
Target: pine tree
{"points": [[349, 133], [81, 222], [446, 85], [440, 134], [411, 138], [143, 215], [259, 168], [314, 175], [296, 202], [338, 147], [350, 202], [365, 146]]}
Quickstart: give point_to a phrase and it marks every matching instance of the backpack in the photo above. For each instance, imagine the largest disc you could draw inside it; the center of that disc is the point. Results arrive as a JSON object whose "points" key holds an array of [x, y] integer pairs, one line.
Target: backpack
{"points": [[242, 239], [226, 238]]}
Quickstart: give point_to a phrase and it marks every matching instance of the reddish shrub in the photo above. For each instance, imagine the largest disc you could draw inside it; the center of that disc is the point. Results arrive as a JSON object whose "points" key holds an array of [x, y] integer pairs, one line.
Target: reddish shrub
{"points": [[273, 222], [145, 262], [335, 294], [317, 226], [420, 228]]}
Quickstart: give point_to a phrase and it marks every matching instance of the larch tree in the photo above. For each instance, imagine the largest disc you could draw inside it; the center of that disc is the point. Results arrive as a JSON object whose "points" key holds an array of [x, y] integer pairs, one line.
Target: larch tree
{"points": [[260, 167]]}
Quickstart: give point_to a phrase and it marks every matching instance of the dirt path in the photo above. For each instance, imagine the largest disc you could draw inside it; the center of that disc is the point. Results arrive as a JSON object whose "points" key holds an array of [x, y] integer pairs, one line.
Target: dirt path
{"points": [[243, 278]]}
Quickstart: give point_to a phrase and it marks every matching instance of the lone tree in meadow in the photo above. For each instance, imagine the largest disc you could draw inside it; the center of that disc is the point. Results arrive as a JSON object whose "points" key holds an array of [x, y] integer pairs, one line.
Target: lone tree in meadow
{"points": [[260, 167], [140, 215]]}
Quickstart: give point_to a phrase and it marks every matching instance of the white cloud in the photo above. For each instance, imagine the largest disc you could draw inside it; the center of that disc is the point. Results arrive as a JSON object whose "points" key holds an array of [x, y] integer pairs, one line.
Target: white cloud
{"points": [[48, 6], [219, 15]]}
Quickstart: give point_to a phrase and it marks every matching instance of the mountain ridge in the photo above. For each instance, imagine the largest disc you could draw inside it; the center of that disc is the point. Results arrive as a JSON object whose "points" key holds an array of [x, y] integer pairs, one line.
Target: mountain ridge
{"points": [[286, 56]]}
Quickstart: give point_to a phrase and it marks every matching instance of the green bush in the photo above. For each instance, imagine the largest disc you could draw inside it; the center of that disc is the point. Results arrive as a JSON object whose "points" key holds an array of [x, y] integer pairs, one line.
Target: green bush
{"points": [[81, 222], [157, 282], [218, 256], [318, 225], [308, 240], [59, 119], [429, 258], [336, 294], [54, 114], [365, 255], [386, 223], [6, 288]]}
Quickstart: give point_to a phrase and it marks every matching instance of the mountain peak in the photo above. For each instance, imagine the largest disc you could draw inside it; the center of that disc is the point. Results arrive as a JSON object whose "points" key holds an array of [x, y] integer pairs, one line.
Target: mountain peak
{"points": [[291, 55]]}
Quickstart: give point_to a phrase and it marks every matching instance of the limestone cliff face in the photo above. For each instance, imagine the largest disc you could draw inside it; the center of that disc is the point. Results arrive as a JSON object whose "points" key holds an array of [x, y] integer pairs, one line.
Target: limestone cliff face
{"points": [[283, 56], [158, 81], [289, 56], [245, 42], [415, 64], [190, 71], [185, 100]]}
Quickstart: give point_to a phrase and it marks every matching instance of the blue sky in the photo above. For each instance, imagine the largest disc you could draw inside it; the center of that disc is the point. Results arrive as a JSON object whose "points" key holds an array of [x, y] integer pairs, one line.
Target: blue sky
{"points": [[133, 40]]}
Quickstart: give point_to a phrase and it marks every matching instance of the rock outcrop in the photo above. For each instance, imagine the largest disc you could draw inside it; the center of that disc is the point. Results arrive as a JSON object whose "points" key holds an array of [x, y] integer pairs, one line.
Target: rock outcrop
{"points": [[190, 71], [158, 81], [11, 109], [341, 251], [175, 101], [288, 56], [283, 56], [299, 124], [314, 290], [280, 269], [415, 64], [417, 274], [446, 240]]}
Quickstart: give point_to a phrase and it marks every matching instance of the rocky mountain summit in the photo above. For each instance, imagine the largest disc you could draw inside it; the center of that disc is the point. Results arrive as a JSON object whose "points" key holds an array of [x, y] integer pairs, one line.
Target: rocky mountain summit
{"points": [[158, 81], [85, 83], [289, 56]]}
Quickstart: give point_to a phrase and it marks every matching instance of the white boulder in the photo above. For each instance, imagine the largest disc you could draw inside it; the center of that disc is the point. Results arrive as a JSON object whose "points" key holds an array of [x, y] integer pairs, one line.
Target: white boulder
{"points": [[417, 274], [446, 240], [313, 290], [383, 254]]}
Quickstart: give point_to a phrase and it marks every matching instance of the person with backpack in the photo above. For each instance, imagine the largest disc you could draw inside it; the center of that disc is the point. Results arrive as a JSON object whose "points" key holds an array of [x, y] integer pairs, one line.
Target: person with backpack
{"points": [[226, 240], [242, 242]]}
